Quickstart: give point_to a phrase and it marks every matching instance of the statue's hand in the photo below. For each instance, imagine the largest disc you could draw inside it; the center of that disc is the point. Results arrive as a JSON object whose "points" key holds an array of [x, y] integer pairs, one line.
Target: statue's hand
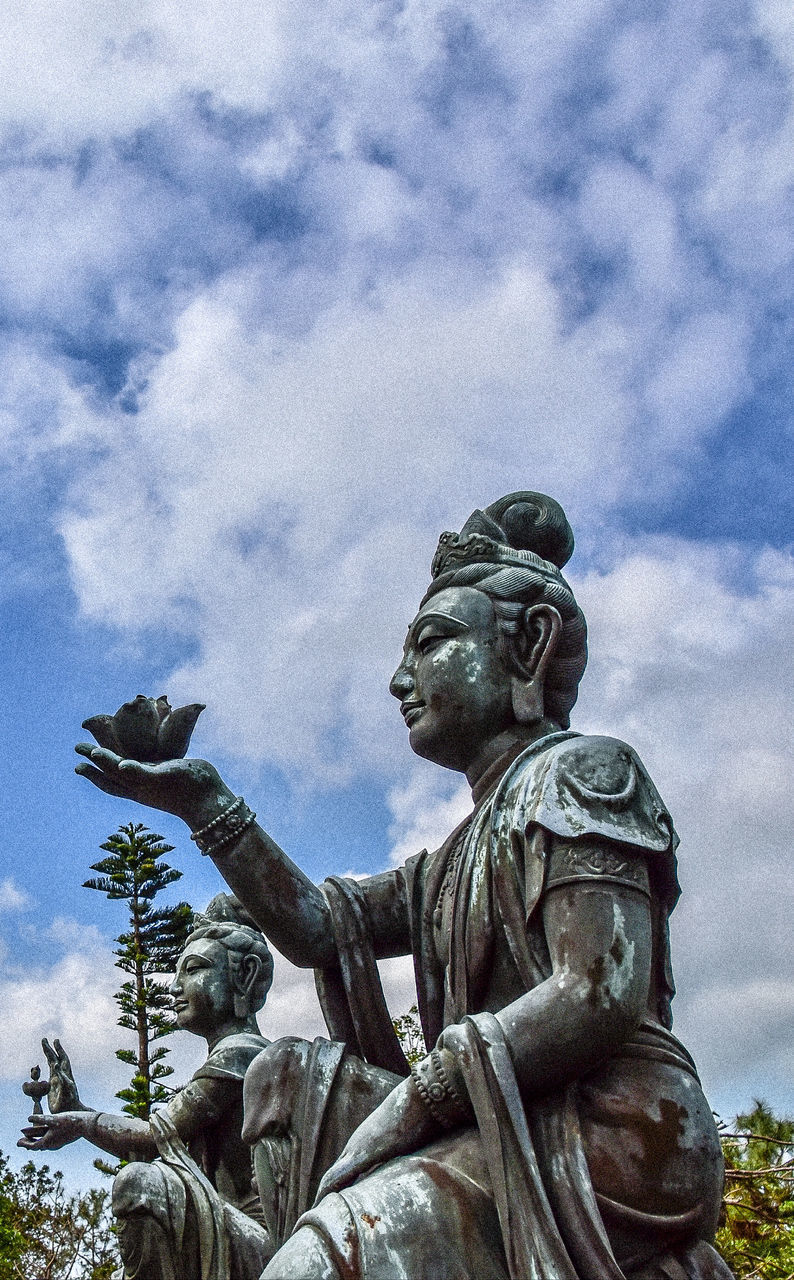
{"points": [[191, 789], [399, 1125], [50, 1133], [63, 1095]]}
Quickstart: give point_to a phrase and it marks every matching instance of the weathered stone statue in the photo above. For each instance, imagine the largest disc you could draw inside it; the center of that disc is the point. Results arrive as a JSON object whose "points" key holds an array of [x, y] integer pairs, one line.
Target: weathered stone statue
{"points": [[193, 1213], [557, 1129]]}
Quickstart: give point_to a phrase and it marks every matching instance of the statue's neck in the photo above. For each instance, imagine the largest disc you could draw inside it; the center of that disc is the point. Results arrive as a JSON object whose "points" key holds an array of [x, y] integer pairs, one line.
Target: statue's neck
{"points": [[500, 753], [234, 1027]]}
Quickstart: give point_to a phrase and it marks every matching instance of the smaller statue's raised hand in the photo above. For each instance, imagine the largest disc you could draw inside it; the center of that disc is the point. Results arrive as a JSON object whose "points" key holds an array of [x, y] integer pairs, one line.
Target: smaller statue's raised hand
{"points": [[63, 1095]]}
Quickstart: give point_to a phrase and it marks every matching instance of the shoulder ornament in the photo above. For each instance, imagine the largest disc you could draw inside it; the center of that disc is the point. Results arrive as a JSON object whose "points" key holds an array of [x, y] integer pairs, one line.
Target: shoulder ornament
{"points": [[585, 786]]}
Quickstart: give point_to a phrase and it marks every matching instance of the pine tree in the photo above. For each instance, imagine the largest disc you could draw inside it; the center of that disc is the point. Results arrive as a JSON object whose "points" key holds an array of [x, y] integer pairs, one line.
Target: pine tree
{"points": [[133, 873], [756, 1235]]}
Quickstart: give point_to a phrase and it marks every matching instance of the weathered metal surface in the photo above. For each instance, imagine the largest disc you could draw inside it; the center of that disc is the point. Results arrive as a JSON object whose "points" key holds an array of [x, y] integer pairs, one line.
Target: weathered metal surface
{"points": [[557, 1130]]}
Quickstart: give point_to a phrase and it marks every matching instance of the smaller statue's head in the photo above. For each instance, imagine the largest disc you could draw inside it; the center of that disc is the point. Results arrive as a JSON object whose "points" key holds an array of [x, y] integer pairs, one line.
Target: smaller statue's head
{"points": [[224, 972], [499, 644]]}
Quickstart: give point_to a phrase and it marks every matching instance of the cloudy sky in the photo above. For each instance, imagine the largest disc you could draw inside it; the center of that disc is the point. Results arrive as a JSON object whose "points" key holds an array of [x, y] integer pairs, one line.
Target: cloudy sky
{"points": [[286, 289]]}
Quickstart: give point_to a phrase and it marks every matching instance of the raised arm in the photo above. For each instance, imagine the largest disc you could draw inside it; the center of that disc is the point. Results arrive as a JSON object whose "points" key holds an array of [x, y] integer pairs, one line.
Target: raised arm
{"points": [[291, 911], [199, 1104]]}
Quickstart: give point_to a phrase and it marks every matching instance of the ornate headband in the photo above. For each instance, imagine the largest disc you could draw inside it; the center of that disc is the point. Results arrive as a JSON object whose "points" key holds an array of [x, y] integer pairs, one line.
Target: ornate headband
{"points": [[456, 549]]}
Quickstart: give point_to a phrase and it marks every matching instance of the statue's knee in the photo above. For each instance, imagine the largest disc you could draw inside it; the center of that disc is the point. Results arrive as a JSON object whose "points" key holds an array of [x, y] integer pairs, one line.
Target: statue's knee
{"points": [[138, 1188], [304, 1256]]}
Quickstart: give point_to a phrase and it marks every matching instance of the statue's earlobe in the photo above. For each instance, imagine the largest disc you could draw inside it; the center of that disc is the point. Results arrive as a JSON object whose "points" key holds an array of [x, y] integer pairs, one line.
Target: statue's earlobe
{"points": [[248, 972], [542, 625]]}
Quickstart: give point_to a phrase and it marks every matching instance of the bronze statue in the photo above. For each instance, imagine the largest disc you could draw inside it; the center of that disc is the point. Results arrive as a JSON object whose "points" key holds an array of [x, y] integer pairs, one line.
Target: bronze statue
{"points": [[557, 1129], [193, 1213]]}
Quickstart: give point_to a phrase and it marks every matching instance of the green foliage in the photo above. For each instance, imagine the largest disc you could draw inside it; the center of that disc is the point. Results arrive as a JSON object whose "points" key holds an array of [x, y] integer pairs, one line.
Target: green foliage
{"points": [[133, 872], [44, 1232], [410, 1035], [12, 1240], [756, 1236]]}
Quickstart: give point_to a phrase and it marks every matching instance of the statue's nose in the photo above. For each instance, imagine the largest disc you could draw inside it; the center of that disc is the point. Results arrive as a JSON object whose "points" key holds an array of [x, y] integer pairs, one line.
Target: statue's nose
{"points": [[401, 683]]}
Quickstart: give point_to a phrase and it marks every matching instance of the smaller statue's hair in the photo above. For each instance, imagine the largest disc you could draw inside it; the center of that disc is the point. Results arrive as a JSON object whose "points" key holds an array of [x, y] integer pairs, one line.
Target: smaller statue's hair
{"points": [[226, 921], [513, 552]]}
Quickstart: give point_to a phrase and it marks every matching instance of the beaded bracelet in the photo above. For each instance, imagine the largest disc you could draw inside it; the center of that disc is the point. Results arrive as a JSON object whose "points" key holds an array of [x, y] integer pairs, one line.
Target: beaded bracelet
{"points": [[431, 1094], [227, 827], [452, 1092], [436, 1090]]}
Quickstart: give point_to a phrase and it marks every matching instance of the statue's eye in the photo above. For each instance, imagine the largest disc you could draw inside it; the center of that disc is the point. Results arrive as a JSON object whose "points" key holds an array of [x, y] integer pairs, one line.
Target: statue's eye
{"points": [[429, 640]]}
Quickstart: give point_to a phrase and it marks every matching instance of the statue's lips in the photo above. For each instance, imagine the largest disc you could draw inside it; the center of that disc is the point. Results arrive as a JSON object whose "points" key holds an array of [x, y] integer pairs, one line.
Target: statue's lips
{"points": [[411, 711]]}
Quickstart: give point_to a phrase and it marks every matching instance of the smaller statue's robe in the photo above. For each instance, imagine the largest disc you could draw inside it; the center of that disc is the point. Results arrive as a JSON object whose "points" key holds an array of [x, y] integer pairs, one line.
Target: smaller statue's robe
{"points": [[194, 1213]]}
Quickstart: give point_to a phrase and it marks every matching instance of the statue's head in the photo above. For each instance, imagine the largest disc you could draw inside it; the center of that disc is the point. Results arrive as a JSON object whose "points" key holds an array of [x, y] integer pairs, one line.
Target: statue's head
{"points": [[224, 972], [499, 639]]}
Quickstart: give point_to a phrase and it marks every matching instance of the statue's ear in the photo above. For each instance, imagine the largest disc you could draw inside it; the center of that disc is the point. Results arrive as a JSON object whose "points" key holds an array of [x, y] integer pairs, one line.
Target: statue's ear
{"points": [[248, 977], [532, 651]]}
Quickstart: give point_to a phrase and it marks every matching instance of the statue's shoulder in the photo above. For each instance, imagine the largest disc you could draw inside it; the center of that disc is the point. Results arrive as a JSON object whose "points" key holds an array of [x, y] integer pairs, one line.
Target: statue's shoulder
{"points": [[581, 785], [231, 1057]]}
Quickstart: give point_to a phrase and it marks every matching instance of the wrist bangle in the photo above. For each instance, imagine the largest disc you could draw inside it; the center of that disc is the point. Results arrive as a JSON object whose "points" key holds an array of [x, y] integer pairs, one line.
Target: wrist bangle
{"points": [[230, 823], [441, 1098], [443, 1075], [431, 1092]]}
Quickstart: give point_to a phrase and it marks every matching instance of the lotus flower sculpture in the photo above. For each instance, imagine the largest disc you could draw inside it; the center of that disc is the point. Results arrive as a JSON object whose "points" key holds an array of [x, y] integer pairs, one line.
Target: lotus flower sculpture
{"points": [[147, 729]]}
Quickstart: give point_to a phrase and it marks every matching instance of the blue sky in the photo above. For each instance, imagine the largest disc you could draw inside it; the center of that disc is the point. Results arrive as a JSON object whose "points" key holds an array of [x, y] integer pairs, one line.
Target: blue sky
{"points": [[286, 290]]}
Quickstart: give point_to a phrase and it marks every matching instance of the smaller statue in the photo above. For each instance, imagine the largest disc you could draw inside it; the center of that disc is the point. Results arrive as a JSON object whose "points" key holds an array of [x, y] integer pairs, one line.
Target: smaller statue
{"points": [[36, 1088], [186, 1205]]}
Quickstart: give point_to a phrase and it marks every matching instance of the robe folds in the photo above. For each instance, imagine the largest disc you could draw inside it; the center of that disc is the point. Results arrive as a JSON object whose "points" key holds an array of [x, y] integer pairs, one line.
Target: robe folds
{"points": [[193, 1213], [616, 1176]]}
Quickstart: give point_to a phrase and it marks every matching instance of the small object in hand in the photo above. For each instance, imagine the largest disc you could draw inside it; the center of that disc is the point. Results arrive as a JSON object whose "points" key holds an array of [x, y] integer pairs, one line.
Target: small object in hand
{"points": [[36, 1088], [147, 729]]}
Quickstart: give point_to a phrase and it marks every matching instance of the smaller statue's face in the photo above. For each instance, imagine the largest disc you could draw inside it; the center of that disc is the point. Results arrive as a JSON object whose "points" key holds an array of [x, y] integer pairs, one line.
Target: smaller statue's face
{"points": [[202, 988], [452, 683]]}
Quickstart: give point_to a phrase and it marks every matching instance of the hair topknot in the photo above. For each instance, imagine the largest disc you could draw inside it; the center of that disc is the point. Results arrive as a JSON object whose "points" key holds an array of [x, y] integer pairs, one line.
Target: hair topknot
{"points": [[526, 521]]}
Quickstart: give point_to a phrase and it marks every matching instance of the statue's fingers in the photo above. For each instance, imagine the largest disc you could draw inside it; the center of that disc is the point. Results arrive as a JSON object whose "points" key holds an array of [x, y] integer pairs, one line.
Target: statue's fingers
{"points": [[50, 1052], [137, 769], [104, 759], [101, 780], [341, 1174], [34, 1139], [63, 1057]]}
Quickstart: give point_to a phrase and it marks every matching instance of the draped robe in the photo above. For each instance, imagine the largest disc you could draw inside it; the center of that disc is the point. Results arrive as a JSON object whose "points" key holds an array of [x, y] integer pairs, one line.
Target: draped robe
{"points": [[615, 1175]]}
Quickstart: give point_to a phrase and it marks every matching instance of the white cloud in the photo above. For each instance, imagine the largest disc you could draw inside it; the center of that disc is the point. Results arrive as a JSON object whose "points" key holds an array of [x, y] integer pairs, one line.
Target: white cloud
{"points": [[12, 898], [266, 492], [71, 999]]}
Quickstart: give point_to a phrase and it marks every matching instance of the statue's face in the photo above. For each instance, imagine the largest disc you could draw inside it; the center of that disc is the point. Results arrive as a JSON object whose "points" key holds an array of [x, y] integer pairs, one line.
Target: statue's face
{"points": [[454, 689], [202, 988]]}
